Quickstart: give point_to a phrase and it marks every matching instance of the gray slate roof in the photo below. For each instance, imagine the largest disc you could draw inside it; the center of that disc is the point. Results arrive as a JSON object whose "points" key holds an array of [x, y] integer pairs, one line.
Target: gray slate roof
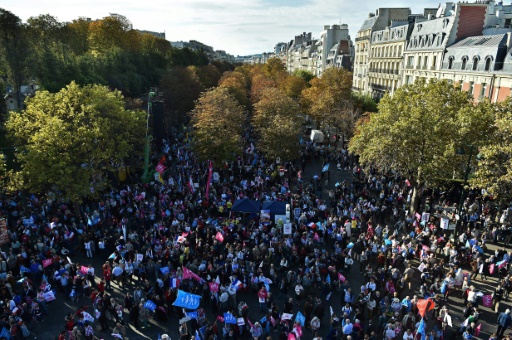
{"points": [[479, 41]]}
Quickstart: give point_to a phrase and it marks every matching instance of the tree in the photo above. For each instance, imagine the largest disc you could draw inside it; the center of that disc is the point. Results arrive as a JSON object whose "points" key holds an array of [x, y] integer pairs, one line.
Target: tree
{"points": [[330, 102], [71, 141], [218, 121], [306, 75], [417, 132], [293, 86], [237, 84], [14, 49], [277, 123], [494, 170], [181, 88]]}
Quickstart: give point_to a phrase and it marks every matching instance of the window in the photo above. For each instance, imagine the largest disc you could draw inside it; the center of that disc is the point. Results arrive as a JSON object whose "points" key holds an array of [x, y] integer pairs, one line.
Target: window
{"points": [[471, 87], [434, 61], [475, 63], [419, 62], [488, 64], [407, 80], [507, 23], [450, 63], [482, 91], [425, 62], [464, 62], [410, 61]]}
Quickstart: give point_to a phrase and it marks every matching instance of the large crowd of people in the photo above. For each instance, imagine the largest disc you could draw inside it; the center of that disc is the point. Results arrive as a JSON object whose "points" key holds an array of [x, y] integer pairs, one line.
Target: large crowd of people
{"points": [[178, 234]]}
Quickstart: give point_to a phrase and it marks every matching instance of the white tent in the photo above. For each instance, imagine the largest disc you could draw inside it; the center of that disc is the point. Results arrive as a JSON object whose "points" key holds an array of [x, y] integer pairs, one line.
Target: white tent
{"points": [[317, 136]]}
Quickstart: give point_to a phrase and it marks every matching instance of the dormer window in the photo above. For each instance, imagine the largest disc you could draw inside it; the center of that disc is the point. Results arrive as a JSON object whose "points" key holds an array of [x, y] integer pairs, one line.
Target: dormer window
{"points": [[464, 63]]}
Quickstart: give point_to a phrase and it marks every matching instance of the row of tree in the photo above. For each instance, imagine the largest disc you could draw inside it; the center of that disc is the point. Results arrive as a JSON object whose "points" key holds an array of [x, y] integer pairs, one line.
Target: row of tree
{"points": [[51, 54], [275, 104], [421, 130]]}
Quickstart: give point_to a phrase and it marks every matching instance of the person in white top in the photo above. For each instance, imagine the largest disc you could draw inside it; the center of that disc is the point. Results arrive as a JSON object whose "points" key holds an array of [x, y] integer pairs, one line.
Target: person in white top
{"points": [[408, 335]]}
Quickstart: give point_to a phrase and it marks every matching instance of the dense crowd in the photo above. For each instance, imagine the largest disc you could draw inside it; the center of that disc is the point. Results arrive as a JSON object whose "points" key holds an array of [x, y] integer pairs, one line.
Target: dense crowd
{"points": [[175, 235]]}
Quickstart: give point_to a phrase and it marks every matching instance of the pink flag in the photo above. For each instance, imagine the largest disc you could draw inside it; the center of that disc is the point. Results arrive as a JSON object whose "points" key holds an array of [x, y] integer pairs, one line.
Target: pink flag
{"points": [[188, 274], [341, 277], [214, 287], [418, 216], [219, 237], [210, 169], [487, 301], [160, 168], [220, 318], [407, 182], [84, 270], [47, 262], [477, 329]]}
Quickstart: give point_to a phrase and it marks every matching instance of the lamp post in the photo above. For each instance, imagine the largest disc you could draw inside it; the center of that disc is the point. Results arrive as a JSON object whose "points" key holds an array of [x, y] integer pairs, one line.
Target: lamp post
{"points": [[461, 151], [147, 146]]}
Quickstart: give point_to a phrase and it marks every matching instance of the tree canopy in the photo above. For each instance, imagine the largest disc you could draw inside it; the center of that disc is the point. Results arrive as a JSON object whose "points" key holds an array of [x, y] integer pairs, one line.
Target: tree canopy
{"points": [[494, 171], [277, 123], [218, 121], [418, 130], [71, 141]]}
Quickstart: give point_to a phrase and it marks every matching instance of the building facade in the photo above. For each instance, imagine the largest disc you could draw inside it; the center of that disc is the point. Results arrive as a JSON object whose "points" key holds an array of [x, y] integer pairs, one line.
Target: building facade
{"points": [[377, 21]]}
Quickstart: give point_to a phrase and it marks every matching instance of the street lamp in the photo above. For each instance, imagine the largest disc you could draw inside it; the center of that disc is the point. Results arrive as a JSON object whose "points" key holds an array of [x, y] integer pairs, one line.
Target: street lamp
{"points": [[461, 151], [147, 146]]}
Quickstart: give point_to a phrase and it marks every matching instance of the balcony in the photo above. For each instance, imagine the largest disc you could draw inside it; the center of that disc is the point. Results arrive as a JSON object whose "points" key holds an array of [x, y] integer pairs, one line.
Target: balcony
{"points": [[382, 88], [409, 67], [354, 88], [363, 38]]}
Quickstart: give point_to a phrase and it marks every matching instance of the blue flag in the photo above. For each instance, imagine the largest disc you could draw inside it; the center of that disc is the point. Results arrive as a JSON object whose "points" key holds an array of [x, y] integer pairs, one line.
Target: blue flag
{"points": [[187, 300], [192, 315], [328, 279], [5, 333], [164, 270], [263, 319], [326, 167], [300, 318], [229, 318], [421, 329], [150, 305]]}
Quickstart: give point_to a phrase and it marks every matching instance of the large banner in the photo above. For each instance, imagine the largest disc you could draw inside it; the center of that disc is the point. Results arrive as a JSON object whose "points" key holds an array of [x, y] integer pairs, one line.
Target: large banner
{"points": [[4, 235]]}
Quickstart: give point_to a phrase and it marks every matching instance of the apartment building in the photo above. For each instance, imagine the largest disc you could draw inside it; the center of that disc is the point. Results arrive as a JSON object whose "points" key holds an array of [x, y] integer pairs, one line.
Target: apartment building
{"points": [[377, 21]]}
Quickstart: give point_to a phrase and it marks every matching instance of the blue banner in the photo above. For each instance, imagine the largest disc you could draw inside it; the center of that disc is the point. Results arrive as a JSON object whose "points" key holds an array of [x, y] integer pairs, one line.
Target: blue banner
{"points": [[164, 270], [187, 300], [229, 318], [150, 305]]}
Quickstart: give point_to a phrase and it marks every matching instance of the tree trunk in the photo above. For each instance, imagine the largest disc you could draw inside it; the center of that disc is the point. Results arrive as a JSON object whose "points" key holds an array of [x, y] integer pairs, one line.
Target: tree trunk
{"points": [[415, 200]]}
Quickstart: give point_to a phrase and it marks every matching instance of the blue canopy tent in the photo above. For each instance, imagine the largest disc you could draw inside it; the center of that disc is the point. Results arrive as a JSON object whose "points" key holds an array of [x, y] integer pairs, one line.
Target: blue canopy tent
{"points": [[246, 205], [275, 207]]}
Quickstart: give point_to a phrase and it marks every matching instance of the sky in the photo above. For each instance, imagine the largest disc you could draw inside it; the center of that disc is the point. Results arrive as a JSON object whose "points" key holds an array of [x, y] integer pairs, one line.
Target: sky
{"points": [[236, 26]]}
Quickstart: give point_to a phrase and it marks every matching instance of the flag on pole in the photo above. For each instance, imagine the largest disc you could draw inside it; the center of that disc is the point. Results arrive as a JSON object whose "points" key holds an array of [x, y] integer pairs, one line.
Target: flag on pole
{"points": [[421, 329], [326, 167], [300, 318], [190, 184]]}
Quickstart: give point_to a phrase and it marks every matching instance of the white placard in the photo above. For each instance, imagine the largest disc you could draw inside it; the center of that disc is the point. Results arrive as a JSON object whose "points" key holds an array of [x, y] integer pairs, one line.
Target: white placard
{"points": [[287, 229], [425, 217], [445, 223]]}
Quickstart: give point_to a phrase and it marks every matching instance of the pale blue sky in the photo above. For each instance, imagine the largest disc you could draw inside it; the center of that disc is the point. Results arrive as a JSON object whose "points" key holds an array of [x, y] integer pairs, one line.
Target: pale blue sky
{"points": [[236, 26]]}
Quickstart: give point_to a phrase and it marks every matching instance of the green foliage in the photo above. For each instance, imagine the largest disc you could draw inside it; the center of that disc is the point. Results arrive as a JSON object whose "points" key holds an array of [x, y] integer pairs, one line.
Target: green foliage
{"points": [[218, 124], [71, 141], [306, 75], [364, 102], [418, 129], [494, 171], [105, 51]]}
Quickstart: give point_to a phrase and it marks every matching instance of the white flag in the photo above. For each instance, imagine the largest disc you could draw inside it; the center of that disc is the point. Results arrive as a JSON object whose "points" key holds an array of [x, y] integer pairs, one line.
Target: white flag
{"points": [[88, 317]]}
